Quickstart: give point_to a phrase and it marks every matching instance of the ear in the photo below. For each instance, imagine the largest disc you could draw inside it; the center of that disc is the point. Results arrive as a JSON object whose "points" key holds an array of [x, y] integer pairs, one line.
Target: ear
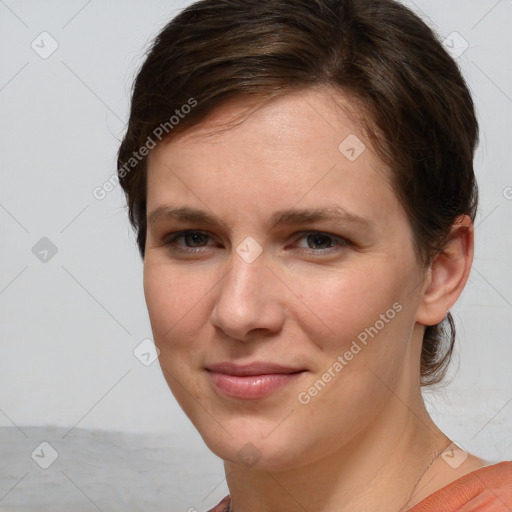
{"points": [[447, 274]]}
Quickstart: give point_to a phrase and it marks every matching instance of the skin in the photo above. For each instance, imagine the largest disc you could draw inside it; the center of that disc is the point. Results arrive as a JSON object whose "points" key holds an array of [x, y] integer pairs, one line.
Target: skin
{"points": [[365, 439]]}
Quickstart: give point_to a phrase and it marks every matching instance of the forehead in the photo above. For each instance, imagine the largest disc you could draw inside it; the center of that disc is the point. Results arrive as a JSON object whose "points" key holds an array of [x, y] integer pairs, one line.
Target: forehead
{"points": [[276, 119], [307, 147]]}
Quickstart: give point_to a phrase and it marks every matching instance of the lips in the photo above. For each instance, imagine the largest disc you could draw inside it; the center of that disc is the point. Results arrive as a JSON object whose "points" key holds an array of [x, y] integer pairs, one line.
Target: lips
{"points": [[251, 381], [256, 368]]}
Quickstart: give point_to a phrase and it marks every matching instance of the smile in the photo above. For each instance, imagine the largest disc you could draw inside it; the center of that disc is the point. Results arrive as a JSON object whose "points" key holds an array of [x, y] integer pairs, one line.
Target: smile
{"points": [[251, 381], [252, 386]]}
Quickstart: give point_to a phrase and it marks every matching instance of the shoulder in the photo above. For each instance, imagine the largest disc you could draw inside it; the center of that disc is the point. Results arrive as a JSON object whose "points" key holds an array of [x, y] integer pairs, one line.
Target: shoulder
{"points": [[488, 488], [223, 506]]}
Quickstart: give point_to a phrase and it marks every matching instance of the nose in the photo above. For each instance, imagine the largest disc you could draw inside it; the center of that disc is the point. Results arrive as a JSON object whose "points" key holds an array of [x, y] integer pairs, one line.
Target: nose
{"points": [[248, 303]]}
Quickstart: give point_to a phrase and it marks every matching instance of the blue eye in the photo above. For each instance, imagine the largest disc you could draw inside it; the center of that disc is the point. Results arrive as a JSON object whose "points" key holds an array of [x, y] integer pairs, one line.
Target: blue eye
{"points": [[192, 240], [318, 242], [317, 239]]}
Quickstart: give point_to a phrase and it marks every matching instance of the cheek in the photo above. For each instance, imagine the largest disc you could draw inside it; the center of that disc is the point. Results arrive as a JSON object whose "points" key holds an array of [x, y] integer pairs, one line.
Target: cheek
{"points": [[361, 327], [340, 305], [174, 299], [175, 302]]}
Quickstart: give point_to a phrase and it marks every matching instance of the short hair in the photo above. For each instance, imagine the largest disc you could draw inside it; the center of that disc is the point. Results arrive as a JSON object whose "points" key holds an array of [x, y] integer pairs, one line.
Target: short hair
{"points": [[412, 101]]}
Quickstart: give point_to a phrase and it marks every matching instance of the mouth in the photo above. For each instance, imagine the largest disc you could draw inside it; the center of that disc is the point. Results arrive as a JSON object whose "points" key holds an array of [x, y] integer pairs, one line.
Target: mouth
{"points": [[251, 381]]}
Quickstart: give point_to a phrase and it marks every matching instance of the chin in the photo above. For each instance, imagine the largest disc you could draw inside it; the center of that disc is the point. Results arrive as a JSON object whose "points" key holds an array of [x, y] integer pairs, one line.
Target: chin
{"points": [[253, 448]]}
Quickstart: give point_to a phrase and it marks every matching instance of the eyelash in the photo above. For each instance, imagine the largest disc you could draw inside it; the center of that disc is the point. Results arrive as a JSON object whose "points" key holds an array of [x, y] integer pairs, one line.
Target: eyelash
{"points": [[170, 241]]}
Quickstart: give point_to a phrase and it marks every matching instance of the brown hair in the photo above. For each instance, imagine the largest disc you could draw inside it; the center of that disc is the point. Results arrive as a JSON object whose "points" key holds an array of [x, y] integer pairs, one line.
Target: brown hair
{"points": [[414, 103]]}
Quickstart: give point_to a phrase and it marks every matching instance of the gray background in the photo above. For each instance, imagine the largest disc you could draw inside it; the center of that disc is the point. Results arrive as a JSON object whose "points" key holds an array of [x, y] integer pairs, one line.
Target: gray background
{"points": [[69, 324]]}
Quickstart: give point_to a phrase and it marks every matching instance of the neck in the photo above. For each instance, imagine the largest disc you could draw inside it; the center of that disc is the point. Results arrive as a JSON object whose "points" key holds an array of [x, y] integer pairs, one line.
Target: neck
{"points": [[381, 469]]}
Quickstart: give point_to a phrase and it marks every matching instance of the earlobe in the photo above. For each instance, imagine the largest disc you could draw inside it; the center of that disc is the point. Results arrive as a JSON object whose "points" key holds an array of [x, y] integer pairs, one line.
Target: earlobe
{"points": [[448, 274]]}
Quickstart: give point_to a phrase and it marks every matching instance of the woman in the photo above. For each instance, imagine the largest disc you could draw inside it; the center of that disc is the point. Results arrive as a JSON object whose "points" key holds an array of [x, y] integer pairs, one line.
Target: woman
{"points": [[300, 177]]}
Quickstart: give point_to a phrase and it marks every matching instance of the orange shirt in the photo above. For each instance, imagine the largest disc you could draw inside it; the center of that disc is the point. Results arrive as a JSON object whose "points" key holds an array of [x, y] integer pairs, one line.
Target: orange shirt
{"points": [[488, 489]]}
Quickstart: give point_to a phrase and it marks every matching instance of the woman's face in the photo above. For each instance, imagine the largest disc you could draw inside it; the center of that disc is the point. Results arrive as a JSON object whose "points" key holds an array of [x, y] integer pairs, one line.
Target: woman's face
{"points": [[298, 254]]}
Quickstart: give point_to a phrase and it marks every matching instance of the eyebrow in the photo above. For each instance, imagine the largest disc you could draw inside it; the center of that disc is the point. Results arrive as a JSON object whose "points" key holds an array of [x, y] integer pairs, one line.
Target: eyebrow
{"points": [[279, 218], [303, 216]]}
